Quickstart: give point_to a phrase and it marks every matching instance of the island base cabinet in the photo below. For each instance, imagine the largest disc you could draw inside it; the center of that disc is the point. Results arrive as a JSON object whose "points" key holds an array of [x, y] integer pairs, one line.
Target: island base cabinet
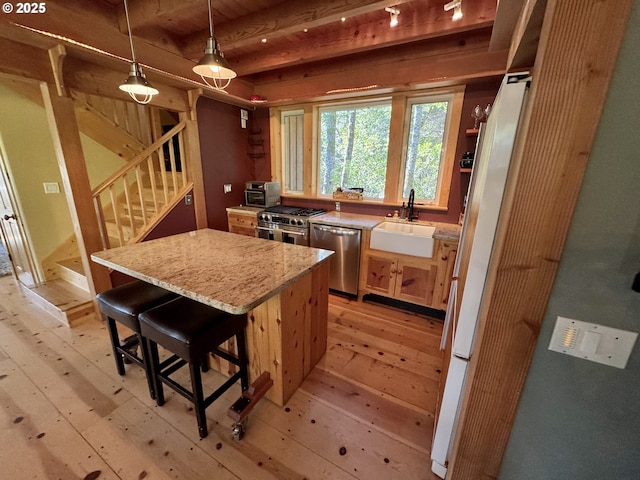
{"points": [[287, 335]]}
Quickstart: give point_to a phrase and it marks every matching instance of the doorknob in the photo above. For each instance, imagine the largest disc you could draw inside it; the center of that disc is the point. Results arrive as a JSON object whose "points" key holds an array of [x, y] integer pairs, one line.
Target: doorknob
{"points": [[9, 217]]}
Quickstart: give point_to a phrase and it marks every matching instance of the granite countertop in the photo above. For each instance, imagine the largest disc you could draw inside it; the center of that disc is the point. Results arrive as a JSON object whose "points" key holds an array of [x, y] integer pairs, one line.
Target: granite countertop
{"points": [[444, 231], [230, 272], [244, 209], [349, 220]]}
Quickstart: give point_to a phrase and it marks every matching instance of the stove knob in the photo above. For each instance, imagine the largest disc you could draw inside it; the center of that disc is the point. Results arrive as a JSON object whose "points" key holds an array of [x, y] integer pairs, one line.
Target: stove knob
{"points": [[300, 221], [268, 217]]}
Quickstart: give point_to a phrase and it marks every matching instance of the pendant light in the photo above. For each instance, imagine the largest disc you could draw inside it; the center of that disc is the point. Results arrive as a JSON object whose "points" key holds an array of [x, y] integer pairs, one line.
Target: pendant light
{"points": [[136, 85], [213, 65]]}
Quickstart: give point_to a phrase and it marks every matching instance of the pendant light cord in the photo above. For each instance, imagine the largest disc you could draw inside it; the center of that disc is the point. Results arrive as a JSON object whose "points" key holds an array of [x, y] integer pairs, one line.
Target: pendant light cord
{"points": [[210, 19], [126, 14]]}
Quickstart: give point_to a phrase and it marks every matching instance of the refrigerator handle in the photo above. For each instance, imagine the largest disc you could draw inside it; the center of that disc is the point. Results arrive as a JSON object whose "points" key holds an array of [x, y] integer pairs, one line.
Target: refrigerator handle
{"points": [[450, 316]]}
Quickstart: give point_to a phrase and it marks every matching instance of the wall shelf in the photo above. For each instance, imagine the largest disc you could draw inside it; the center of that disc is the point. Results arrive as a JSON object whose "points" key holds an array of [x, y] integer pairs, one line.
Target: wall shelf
{"points": [[465, 170], [472, 131]]}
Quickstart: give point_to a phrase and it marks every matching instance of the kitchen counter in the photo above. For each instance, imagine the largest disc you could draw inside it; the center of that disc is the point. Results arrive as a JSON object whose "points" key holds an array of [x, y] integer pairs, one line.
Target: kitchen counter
{"points": [[282, 288], [349, 220], [444, 231], [244, 209]]}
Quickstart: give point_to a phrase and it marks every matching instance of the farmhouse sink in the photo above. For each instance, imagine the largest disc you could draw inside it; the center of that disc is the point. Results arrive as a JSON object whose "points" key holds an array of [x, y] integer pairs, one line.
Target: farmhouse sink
{"points": [[406, 238]]}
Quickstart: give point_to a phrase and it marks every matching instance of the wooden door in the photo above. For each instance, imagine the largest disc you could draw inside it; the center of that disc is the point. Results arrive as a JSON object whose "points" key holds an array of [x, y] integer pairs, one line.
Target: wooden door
{"points": [[13, 232], [415, 283], [381, 275]]}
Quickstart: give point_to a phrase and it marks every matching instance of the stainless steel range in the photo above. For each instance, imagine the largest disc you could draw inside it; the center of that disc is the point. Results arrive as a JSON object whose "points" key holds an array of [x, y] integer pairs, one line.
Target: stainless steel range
{"points": [[286, 224]]}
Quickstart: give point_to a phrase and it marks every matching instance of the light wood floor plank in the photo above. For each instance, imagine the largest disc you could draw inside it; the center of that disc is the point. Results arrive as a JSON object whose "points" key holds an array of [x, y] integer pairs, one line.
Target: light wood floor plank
{"points": [[64, 383], [36, 440]]}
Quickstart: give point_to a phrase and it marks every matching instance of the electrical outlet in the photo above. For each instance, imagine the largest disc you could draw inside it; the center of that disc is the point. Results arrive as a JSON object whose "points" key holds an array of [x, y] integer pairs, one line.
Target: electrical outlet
{"points": [[606, 345], [188, 199]]}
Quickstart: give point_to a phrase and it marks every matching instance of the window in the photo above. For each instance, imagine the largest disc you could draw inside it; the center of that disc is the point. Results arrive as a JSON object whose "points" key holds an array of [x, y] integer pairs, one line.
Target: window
{"points": [[387, 146], [352, 148], [293, 150], [425, 145]]}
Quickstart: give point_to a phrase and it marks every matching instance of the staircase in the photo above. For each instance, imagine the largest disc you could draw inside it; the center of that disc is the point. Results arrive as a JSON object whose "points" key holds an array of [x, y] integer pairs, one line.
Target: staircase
{"points": [[129, 204]]}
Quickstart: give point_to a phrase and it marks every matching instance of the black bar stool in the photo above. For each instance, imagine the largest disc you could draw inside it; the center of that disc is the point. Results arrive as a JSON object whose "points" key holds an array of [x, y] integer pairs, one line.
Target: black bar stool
{"points": [[123, 304], [191, 330]]}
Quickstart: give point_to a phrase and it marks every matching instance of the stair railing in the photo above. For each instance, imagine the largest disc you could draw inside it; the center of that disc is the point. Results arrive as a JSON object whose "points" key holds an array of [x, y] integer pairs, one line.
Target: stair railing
{"points": [[135, 198]]}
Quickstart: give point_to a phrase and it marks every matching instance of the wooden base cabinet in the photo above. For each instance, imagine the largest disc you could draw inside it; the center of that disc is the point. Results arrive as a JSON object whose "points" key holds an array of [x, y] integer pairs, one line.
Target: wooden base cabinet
{"points": [[423, 281], [243, 223]]}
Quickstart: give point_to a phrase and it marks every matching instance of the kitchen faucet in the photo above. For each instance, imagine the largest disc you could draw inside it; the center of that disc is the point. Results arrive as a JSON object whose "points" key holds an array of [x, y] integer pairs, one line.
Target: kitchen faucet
{"points": [[410, 207]]}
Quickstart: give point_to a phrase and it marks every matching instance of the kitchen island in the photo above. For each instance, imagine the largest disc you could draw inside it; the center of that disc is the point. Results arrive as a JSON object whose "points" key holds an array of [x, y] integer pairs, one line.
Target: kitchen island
{"points": [[282, 288]]}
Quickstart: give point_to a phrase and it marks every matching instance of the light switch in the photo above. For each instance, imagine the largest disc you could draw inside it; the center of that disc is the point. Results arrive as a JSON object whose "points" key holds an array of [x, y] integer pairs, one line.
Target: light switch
{"points": [[227, 188], [51, 187], [590, 341]]}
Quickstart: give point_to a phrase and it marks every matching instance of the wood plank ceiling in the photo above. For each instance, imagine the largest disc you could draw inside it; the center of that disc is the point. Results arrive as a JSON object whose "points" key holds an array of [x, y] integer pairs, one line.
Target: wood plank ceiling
{"points": [[268, 42]]}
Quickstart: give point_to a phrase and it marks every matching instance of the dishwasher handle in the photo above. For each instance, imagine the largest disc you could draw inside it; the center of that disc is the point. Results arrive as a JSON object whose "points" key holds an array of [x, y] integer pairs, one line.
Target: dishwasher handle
{"points": [[336, 231]]}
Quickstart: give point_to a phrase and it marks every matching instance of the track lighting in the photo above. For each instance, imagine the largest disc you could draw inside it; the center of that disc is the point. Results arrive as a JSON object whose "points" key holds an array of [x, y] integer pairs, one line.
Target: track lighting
{"points": [[137, 86], [456, 6], [394, 12], [213, 65]]}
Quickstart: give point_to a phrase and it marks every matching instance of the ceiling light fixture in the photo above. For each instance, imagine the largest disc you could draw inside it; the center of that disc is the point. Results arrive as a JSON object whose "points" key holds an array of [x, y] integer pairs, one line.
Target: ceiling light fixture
{"points": [[394, 12], [136, 85], [456, 5], [213, 65]]}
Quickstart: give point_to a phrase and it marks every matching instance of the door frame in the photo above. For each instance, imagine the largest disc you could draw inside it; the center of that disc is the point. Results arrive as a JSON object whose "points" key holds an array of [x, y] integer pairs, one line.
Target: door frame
{"points": [[34, 272]]}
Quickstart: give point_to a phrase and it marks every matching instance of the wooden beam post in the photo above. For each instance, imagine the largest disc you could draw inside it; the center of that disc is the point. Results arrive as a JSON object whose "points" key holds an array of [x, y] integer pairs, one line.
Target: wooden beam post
{"points": [[579, 44], [192, 147], [66, 141]]}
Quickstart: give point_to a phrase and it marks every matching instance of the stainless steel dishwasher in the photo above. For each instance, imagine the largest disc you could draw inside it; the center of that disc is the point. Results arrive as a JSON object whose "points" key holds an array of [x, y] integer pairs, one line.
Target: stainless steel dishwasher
{"points": [[345, 263]]}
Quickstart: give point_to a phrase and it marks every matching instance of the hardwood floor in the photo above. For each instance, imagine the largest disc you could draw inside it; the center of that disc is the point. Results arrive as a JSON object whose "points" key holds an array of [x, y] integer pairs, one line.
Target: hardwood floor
{"points": [[365, 411]]}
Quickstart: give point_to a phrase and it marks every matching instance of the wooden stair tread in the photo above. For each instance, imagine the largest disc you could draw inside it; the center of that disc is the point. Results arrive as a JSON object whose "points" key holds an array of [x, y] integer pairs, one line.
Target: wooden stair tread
{"points": [[63, 300], [74, 264], [62, 294]]}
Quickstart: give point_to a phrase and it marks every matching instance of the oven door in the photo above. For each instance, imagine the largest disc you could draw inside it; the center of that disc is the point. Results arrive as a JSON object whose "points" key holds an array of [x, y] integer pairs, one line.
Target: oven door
{"points": [[255, 198], [294, 237]]}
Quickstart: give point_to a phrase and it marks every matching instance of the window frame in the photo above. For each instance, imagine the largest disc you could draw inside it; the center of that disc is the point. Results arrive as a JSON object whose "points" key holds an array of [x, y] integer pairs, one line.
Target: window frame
{"points": [[396, 155]]}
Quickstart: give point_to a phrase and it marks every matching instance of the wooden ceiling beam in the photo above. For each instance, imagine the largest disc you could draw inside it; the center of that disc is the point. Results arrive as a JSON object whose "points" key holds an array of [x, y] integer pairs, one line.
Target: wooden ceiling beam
{"points": [[283, 19], [418, 69], [145, 13], [98, 80], [374, 35], [25, 61]]}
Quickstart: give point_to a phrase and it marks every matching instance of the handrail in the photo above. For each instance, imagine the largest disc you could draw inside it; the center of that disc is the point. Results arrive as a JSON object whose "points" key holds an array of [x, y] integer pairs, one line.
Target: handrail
{"points": [[134, 199], [139, 158]]}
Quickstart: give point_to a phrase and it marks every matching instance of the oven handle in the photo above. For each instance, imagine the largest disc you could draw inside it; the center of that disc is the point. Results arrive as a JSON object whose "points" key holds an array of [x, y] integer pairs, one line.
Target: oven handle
{"points": [[302, 234]]}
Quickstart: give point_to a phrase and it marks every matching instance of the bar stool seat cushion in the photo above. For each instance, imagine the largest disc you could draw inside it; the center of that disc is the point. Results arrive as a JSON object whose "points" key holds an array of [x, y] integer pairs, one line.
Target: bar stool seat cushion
{"points": [[188, 328], [126, 302]]}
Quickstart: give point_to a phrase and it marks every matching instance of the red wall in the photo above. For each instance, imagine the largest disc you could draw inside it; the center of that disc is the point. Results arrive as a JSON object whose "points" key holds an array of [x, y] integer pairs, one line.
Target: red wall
{"points": [[224, 149]]}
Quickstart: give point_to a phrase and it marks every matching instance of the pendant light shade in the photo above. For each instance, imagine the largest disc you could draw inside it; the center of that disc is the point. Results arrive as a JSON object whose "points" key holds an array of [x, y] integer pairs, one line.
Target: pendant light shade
{"points": [[136, 85], [213, 65]]}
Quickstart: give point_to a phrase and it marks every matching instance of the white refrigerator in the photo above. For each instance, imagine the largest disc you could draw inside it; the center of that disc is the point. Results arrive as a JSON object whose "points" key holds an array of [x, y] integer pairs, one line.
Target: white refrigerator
{"points": [[484, 200]]}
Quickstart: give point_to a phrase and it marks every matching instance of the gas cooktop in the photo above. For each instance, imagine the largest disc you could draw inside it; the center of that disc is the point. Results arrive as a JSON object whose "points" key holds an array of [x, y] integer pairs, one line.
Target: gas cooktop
{"points": [[296, 211]]}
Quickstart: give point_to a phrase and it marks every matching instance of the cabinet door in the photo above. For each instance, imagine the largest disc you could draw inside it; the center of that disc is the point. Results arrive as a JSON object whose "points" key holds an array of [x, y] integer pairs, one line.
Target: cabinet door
{"points": [[415, 283], [381, 274], [244, 224]]}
